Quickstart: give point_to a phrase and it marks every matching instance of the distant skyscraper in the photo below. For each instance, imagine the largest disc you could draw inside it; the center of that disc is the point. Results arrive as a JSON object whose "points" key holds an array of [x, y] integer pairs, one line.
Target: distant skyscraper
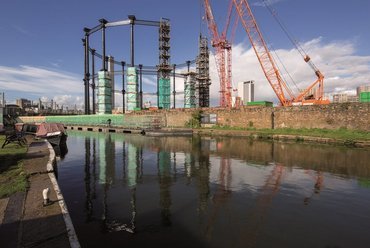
{"points": [[246, 91]]}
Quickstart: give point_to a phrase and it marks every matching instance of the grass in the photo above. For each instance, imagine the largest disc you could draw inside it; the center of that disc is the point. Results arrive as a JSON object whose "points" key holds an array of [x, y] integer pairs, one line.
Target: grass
{"points": [[340, 134], [12, 176]]}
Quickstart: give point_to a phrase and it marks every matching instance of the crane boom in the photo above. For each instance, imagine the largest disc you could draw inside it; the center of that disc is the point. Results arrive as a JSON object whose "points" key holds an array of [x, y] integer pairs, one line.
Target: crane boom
{"points": [[272, 74], [263, 54]]}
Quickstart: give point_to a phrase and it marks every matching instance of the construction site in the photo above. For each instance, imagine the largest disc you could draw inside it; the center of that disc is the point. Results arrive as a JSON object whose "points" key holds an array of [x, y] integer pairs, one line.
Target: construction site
{"points": [[100, 85], [102, 74], [114, 89], [172, 164]]}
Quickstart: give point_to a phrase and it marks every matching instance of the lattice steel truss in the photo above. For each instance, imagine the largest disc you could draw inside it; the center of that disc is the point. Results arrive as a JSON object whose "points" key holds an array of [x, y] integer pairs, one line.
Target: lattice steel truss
{"points": [[203, 72], [164, 67]]}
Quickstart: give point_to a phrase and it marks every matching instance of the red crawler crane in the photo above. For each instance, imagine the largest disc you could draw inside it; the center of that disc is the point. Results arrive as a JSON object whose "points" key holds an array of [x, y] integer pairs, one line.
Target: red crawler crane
{"points": [[269, 67]]}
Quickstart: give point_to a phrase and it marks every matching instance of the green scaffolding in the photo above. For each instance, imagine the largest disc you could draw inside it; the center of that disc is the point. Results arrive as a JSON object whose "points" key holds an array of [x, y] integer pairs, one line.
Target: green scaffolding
{"points": [[164, 87], [189, 92]]}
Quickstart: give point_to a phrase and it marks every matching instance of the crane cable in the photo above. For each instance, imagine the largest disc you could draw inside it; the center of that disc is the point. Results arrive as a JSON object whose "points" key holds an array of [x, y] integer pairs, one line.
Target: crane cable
{"points": [[271, 48], [286, 71], [295, 43], [274, 13]]}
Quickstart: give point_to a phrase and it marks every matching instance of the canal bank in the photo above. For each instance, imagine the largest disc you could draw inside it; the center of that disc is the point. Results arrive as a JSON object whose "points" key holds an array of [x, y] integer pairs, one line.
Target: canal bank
{"points": [[252, 134], [25, 222], [264, 135]]}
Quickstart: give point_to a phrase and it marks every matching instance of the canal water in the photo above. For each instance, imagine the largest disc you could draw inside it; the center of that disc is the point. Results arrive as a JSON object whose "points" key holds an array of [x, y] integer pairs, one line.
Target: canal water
{"points": [[138, 191]]}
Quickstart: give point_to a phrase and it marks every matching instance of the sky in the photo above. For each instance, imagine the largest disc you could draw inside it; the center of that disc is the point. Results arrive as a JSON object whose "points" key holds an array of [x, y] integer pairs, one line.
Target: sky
{"points": [[41, 52]]}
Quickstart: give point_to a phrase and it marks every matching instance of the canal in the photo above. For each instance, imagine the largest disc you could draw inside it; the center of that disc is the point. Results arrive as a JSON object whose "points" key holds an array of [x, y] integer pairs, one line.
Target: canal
{"points": [[138, 191]]}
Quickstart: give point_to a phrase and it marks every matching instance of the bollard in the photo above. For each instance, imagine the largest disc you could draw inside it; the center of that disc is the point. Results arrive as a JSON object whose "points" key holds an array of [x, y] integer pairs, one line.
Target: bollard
{"points": [[45, 195]]}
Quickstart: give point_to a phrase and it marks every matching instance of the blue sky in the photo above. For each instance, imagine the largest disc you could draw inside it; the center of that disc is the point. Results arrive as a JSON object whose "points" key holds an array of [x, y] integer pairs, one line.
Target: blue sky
{"points": [[41, 53]]}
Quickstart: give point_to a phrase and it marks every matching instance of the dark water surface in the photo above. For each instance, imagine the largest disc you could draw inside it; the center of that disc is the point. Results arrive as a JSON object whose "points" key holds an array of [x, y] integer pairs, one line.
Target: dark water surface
{"points": [[138, 191]]}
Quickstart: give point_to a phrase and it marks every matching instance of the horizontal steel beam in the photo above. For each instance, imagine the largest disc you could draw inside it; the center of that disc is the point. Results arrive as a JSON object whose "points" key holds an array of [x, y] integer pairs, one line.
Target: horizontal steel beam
{"points": [[118, 23], [95, 29], [134, 22]]}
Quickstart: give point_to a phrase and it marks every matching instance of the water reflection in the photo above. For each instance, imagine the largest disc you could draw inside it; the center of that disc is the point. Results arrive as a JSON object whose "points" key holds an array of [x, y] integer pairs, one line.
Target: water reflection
{"points": [[227, 192], [319, 180], [60, 151]]}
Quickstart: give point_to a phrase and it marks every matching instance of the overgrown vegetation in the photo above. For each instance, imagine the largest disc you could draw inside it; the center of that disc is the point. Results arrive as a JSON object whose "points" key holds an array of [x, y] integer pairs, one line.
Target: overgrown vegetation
{"points": [[195, 120], [12, 176]]}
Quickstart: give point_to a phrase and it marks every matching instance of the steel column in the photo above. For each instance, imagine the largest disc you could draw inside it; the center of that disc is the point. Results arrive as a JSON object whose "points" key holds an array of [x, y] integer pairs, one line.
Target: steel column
{"points": [[174, 87], [132, 51], [123, 86], [158, 88], [85, 71], [93, 80], [103, 22], [141, 85]]}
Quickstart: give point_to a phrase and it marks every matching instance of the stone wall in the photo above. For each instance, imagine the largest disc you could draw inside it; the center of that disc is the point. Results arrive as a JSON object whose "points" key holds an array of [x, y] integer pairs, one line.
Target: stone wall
{"points": [[333, 116], [257, 117]]}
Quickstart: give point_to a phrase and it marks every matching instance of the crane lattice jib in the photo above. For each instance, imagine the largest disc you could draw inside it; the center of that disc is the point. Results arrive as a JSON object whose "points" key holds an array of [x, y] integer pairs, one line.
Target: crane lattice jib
{"points": [[222, 54], [263, 54], [220, 64]]}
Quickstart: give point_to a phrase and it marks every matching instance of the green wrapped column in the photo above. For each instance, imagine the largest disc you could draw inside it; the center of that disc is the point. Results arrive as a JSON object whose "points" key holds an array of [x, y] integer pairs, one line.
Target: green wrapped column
{"points": [[104, 93], [132, 89]]}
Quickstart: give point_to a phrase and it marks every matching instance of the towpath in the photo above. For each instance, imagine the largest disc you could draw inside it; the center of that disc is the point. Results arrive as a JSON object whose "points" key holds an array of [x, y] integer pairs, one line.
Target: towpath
{"points": [[24, 221]]}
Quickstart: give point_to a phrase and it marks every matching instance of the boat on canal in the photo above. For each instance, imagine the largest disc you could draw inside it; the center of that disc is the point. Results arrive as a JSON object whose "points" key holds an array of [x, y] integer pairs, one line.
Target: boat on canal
{"points": [[55, 133]]}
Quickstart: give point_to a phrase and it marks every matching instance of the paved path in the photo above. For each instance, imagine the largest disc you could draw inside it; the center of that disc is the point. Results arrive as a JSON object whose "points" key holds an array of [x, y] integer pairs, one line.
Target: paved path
{"points": [[24, 221]]}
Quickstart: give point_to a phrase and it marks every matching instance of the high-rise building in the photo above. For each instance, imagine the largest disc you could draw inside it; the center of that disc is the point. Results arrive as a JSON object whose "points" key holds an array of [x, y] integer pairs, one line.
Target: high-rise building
{"points": [[246, 91], [363, 88]]}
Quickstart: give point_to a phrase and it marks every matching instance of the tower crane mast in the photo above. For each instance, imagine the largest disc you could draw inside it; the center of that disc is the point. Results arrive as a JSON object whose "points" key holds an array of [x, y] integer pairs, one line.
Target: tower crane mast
{"points": [[222, 53]]}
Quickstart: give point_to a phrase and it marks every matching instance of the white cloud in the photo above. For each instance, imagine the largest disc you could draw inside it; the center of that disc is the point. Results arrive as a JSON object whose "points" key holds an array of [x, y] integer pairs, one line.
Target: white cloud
{"points": [[342, 68], [150, 80], [44, 83]]}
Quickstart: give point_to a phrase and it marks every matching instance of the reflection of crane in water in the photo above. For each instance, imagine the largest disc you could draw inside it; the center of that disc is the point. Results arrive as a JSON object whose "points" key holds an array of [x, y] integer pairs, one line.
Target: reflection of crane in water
{"points": [[263, 202], [319, 180], [222, 194]]}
